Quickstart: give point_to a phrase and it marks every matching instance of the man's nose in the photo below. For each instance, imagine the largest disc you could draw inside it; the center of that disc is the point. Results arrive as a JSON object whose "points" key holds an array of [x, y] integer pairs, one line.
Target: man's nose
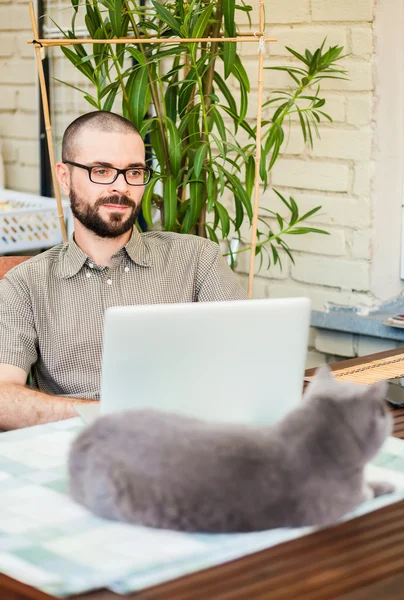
{"points": [[120, 184]]}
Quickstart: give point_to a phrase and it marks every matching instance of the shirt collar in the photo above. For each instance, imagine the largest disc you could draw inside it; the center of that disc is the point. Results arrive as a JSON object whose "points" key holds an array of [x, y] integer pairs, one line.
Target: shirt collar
{"points": [[73, 259]]}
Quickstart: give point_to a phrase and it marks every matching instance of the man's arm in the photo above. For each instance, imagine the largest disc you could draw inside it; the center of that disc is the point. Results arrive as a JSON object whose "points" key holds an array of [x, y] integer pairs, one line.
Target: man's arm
{"points": [[21, 406], [215, 280]]}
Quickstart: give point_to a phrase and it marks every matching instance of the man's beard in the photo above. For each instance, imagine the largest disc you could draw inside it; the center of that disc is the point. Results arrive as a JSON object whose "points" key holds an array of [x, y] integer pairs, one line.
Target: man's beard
{"points": [[90, 217]]}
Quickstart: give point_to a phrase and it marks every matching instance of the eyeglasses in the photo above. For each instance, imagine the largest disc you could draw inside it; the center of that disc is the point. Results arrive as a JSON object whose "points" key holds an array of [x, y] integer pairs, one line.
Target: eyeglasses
{"points": [[107, 175]]}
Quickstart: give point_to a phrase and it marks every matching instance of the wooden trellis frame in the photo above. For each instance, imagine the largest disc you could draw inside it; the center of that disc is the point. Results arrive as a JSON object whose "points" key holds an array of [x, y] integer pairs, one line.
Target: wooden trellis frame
{"points": [[258, 37]]}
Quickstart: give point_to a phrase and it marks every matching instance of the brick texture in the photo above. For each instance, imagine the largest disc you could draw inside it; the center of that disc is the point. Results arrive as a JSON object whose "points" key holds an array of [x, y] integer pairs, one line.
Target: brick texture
{"points": [[332, 177], [335, 272], [342, 10]]}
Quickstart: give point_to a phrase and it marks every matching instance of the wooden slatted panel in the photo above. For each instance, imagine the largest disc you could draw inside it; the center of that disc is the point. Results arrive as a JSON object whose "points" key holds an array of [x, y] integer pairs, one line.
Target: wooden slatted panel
{"points": [[377, 370]]}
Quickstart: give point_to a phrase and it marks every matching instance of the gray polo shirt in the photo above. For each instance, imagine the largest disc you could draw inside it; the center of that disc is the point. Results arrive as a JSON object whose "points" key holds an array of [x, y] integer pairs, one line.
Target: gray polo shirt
{"points": [[52, 306]]}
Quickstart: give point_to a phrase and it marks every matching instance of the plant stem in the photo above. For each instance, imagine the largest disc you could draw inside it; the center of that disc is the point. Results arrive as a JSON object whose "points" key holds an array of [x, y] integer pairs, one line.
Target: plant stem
{"points": [[206, 102], [273, 236], [115, 61], [204, 139], [154, 94]]}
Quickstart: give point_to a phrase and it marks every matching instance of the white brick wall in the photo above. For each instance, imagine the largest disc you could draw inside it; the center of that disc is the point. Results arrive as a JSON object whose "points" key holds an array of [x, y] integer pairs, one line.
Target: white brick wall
{"points": [[334, 272], [327, 176], [19, 125], [342, 10]]}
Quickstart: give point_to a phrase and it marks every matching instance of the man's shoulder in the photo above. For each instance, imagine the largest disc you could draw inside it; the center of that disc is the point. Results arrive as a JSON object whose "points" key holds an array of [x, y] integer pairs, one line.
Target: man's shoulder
{"points": [[37, 265], [169, 239]]}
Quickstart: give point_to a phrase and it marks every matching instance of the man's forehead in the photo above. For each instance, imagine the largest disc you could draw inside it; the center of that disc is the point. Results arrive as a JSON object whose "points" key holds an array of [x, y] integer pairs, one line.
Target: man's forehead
{"points": [[118, 143]]}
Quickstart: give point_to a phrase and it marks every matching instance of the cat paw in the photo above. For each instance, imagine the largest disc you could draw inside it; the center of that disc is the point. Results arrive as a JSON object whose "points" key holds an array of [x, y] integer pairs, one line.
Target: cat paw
{"points": [[380, 488]]}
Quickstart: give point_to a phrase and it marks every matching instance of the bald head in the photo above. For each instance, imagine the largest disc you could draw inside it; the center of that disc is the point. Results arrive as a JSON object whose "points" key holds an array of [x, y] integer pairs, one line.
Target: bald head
{"points": [[101, 120]]}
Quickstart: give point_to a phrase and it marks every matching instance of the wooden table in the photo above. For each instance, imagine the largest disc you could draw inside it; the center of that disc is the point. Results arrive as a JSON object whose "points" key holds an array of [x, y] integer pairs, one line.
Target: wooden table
{"points": [[361, 559]]}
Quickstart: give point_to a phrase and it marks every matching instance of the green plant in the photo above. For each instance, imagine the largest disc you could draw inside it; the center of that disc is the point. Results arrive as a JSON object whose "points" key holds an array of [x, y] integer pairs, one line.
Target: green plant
{"points": [[193, 131]]}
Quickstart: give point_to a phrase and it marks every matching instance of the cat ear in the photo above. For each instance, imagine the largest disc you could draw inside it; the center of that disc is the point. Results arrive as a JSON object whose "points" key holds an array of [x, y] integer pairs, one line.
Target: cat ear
{"points": [[324, 373], [322, 376]]}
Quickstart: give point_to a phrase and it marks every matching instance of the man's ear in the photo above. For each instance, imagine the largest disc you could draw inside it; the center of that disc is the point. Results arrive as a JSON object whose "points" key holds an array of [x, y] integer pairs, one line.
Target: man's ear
{"points": [[63, 177]]}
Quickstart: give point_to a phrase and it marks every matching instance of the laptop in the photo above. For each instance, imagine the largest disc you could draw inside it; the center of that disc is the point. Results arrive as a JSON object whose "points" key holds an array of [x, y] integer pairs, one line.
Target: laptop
{"points": [[238, 361]]}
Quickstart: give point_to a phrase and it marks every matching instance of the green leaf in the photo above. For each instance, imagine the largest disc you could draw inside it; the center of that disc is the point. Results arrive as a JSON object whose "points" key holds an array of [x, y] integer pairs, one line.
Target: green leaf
{"points": [[229, 57], [171, 102], [311, 212], [244, 8], [212, 235], [157, 144], [224, 218], [225, 91], [92, 101], [276, 148], [325, 115], [302, 124], [115, 16], [250, 175], [218, 120], [294, 212], [186, 91], [166, 17], [75, 4], [170, 203], [147, 201], [198, 160], [91, 19], [240, 73], [263, 168], [320, 102], [174, 147], [287, 70], [280, 221], [85, 68], [243, 124], [303, 230], [229, 7], [211, 190], [147, 125], [69, 85], [202, 22], [181, 10], [243, 103], [309, 131], [195, 205], [239, 191], [238, 221], [139, 98], [108, 88], [137, 55], [283, 199], [299, 56], [110, 99]]}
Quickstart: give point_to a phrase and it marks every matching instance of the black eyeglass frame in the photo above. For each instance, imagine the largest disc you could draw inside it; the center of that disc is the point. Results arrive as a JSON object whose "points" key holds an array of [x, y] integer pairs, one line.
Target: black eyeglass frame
{"points": [[118, 172]]}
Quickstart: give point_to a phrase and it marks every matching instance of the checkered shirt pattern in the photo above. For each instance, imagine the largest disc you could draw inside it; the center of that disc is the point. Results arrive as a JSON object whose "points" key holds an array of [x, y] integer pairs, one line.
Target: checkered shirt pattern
{"points": [[52, 306]]}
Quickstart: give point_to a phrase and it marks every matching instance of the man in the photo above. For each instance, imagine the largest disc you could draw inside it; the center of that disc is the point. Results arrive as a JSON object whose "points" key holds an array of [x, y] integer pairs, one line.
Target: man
{"points": [[52, 306]]}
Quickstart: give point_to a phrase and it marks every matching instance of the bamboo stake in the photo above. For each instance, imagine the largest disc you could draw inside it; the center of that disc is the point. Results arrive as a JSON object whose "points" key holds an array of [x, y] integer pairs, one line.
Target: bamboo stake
{"points": [[257, 158], [142, 40], [48, 127]]}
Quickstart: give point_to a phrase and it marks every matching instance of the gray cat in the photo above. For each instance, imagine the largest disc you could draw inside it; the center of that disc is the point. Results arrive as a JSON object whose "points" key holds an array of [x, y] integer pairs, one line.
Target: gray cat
{"points": [[165, 470]]}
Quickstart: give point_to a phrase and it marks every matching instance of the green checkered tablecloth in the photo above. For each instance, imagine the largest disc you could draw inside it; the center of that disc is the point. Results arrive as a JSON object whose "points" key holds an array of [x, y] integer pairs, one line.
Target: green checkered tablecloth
{"points": [[49, 542]]}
